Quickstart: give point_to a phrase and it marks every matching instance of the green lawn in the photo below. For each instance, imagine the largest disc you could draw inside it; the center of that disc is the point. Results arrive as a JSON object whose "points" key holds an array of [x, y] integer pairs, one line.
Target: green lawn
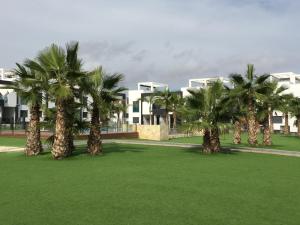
{"points": [[12, 141], [280, 142], [142, 185]]}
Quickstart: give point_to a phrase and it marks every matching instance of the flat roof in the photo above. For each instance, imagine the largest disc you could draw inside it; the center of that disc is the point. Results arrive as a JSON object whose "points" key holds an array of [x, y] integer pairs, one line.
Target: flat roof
{"points": [[153, 84]]}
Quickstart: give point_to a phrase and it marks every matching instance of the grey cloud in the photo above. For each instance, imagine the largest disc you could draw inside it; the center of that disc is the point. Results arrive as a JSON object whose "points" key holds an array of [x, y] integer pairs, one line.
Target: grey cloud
{"points": [[160, 40], [139, 56], [105, 49]]}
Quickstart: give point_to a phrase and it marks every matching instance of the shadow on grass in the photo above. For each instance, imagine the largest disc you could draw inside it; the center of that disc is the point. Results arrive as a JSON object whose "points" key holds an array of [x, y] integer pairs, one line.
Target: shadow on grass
{"points": [[114, 148], [198, 151], [109, 149]]}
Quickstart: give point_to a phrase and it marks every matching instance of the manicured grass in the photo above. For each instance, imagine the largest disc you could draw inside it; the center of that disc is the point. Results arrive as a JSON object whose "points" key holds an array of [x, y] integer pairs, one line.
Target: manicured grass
{"points": [[280, 141], [12, 141], [142, 185]]}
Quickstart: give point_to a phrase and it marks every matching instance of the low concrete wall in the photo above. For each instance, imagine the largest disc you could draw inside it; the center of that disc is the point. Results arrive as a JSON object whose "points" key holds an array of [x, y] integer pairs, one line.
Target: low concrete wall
{"points": [[45, 135], [153, 132]]}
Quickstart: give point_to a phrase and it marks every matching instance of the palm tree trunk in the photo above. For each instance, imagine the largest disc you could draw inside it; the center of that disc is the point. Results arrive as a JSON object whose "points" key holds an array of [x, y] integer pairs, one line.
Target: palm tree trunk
{"points": [[237, 132], [150, 113], [298, 125], [175, 120], [118, 121], [206, 142], [70, 117], [267, 139], [252, 128], [286, 123], [94, 139], [215, 140], [167, 119], [61, 146], [270, 117], [34, 144], [46, 117]]}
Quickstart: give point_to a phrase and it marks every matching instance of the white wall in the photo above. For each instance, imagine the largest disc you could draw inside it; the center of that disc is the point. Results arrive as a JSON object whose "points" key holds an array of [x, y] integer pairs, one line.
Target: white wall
{"points": [[134, 95], [293, 88]]}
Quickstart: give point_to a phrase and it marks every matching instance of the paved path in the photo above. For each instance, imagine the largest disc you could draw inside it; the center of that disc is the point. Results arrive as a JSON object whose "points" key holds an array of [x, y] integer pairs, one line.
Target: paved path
{"points": [[10, 149], [183, 145], [169, 144]]}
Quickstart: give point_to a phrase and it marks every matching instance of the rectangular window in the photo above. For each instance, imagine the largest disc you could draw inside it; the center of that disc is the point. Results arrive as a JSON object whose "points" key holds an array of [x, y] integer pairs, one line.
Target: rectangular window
{"points": [[23, 102], [277, 119], [84, 114], [135, 119], [136, 106], [85, 101], [24, 113]]}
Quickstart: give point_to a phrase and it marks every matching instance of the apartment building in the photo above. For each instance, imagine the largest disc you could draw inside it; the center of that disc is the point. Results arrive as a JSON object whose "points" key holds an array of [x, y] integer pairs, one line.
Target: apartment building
{"points": [[202, 83], [292, 82], [11, 107], [13, 110], [139, 110]]}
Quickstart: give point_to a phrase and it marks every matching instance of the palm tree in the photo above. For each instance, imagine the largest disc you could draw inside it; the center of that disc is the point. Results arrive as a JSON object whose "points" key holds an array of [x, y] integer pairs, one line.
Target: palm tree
{"points": [[295, 111], [119, 107], [177, 102], [150, 99], [63, 69], [164, 99], [273, 100], [234, 106], [284, 107], [250, 88], [205, 105], [104, 90], [29, 87], [270, 101]]}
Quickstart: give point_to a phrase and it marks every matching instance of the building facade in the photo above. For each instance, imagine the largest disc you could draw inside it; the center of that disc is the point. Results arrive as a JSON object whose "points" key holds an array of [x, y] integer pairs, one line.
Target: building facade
{"points": [[292, 82], [202, 83], [139, 110]]}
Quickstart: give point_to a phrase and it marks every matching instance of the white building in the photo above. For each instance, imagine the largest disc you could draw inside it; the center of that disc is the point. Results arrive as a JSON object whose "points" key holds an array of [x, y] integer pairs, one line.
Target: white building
{"points": [[11, 108], [138, 110], [202, 83], [15, 111], [292, 82]]}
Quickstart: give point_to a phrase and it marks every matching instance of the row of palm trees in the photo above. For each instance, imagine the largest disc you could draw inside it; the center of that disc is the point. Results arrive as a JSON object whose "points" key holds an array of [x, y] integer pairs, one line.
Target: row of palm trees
{"points": [[57, 75], [250, 101]]}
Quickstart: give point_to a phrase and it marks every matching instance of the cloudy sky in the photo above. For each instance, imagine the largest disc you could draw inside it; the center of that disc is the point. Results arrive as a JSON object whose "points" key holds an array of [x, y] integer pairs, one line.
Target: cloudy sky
{"points": [[158, 40]]}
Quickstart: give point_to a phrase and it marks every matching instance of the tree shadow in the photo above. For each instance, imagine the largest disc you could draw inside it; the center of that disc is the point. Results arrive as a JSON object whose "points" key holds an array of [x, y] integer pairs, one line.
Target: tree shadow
{"points": [[198, 150], [110, 148], [114, 148]]}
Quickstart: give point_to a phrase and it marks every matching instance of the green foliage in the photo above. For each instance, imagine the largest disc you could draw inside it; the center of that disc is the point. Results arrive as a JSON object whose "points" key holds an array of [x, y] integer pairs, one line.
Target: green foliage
{"points": [[273, 99], [295, 109], [164, 99], [104, 90], [28, 85], [250, 88], [61, 68], [205, 108]]}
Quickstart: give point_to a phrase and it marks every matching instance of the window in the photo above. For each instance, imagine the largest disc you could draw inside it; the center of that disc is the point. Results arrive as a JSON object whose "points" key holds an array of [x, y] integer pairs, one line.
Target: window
{"points": [[136, 106], [23, 101], [85, 101], [84, 114], [277, 119], [24, 113], [135, 119]]}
